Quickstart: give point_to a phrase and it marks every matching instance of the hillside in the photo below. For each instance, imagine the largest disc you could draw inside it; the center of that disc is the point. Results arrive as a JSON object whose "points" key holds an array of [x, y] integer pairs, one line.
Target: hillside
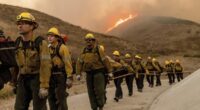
{"points": [[161, 35], [76, 34]]}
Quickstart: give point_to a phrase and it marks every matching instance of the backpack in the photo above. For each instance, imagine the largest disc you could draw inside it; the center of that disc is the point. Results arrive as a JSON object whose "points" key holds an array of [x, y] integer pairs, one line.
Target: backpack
{"points": [[100, 59], [7, 54], [34, 45], [150, 66], [178, 68], [97, 51], [56, 53], [57, 49]]}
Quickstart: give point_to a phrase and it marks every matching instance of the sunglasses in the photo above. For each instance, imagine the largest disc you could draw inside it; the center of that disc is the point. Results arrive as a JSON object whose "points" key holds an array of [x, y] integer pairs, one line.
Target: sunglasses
{"points": [[89, 40]]}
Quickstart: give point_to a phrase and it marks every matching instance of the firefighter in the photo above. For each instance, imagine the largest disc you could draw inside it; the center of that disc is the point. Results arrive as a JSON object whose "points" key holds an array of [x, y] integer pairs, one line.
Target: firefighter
{"points": [[61, 72], [34, 65], [150, 78], [172, 65], [140, 72], [169, 70], [93, 61], [118, 81], [129, 79], [158, 71], [178, 70]]}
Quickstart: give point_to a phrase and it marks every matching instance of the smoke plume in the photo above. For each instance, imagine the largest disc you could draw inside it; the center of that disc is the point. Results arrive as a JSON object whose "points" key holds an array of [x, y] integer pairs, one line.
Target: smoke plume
{"points": [[98, 15]]}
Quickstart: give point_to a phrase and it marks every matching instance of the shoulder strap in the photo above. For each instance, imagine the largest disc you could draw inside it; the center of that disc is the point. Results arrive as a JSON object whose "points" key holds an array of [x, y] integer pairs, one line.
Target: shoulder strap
{"points": [[17, 42], [37, 42], [97, 50], [58, 49], [84, 51], [142, 66]]}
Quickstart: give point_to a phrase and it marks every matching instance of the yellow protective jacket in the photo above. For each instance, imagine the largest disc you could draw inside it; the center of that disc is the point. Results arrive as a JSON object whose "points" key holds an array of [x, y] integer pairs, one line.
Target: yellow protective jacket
{"points": [[32, 61], [178, 67], [62, 58], [115, 65], [91, 60], [169, 68], [140, 68], [157, 66], [129, 66], [119, 65], [150, 66]]}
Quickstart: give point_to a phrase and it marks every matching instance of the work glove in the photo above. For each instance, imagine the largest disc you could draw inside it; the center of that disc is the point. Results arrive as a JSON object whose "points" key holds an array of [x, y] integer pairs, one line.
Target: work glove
{"points": [[78, 77], [110, 76], [69, 83], [13, 87], [43, 92], [137, 75]]}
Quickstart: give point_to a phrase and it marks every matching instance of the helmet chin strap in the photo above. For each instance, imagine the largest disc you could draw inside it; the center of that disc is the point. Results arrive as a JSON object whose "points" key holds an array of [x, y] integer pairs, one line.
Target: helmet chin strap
{"points": [[90, 46], [27, 35], [24, 33]]}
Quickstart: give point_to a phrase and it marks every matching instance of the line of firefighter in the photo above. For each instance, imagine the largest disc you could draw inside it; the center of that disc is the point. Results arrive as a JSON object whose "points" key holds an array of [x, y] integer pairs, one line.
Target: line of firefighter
{"points": [[45, 71], [135, 68]]}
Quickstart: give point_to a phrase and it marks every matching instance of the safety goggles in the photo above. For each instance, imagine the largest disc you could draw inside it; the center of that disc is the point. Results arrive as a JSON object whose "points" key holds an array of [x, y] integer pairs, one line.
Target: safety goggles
{"points": [[89, 40]]}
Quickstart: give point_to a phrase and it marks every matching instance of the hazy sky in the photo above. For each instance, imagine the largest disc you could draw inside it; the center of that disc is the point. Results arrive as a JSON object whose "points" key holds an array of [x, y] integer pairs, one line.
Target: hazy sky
{"points": [[99, 15]]}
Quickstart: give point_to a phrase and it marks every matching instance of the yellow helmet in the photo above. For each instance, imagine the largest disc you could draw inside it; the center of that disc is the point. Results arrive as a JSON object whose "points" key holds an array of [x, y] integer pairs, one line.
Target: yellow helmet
{"points": [[116, 53], [127, 55], [53, 31], [166, 62], [154, 59], [89, 36], [149, 58], [102, 47], [138, 57], [25, 16], [177, 61]]}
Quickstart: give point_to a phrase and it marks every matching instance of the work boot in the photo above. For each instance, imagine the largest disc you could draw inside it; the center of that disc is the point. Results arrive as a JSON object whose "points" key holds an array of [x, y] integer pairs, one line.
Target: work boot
{"points": [[120, 97], [139, 90], [130, 94], [116, 99]]}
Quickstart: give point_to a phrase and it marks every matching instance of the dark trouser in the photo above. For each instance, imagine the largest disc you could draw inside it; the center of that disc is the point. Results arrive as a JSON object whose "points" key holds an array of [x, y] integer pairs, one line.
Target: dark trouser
{"points": [[179, 76], [27, 90], [158, 81], [150, 79], [106, 83], [96, 89], [129, 83], [171, 78], [5, 76], [118, 91], [140, 82], [57, 93]]}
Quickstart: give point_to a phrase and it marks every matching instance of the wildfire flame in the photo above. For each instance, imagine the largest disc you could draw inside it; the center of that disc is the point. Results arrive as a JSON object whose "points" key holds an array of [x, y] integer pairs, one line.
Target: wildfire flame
{"points": [[120, 21]]}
